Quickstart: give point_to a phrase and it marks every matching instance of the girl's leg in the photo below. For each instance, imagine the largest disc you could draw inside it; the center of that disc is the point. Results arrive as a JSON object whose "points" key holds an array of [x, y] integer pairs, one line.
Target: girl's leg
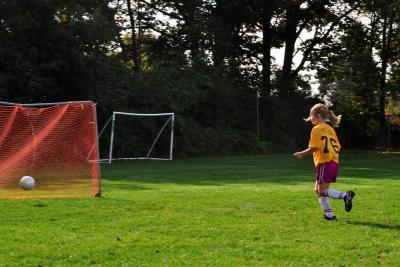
{"points": [[322, 189], [332, 193], [329, 172], [346, 196], [316, 188], [324, 200]]}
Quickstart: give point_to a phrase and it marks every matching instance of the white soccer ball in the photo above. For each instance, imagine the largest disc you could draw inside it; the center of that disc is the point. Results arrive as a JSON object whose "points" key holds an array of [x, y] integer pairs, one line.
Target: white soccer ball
{"points": [[27, 182]]}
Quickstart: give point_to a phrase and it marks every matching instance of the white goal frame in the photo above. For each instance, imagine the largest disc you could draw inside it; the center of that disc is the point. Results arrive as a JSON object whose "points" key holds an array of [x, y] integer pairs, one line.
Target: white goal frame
{"points": [[170, 121]]}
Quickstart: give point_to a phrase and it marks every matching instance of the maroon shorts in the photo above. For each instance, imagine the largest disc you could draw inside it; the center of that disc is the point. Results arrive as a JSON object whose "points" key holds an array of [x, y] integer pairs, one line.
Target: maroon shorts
{"points": [[327, 172]]}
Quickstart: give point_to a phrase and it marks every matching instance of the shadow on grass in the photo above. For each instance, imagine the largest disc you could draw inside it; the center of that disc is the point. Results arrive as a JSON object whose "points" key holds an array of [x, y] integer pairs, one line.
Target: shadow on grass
{"points": [[376, 225], [126, 186], [212, 171], [277, 168], [213, 180]]}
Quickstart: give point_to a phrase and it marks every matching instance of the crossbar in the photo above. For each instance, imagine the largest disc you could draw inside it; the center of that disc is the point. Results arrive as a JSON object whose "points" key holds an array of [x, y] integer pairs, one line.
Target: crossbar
{"points": [[44, 104], [143, 114]]}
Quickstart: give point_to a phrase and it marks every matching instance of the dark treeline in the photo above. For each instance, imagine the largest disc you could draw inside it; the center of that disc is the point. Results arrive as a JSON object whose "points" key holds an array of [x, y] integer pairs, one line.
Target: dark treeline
{"points": [[211, 62]]}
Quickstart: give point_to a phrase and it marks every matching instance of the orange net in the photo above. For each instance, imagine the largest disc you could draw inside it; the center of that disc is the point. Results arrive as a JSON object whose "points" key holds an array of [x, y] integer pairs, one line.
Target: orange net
{"points": [[56, 145]]}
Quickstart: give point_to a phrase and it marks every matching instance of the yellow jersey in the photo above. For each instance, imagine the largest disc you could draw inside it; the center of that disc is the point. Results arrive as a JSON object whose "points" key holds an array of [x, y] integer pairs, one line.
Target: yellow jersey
{"points": [[323, 137]]}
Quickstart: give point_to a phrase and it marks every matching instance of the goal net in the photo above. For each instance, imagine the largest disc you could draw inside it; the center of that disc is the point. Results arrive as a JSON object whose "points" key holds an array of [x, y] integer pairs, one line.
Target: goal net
{"points": [[127, 136], [55, 143]]}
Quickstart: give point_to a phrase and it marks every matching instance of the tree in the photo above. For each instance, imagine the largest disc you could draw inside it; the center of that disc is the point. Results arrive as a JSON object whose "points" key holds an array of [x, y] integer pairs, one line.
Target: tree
{"points": [[349, 78], [49, 51], [321, 17], [387, 11]]}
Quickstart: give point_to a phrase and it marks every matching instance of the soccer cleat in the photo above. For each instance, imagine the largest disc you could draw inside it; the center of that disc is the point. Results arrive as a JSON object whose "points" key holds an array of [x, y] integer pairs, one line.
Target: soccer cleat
{"points": [[348, 200], [329, 218]]}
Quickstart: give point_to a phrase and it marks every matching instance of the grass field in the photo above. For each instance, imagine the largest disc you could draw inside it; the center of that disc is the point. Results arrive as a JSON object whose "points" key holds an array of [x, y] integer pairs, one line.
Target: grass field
{"points": [[233, 211]]}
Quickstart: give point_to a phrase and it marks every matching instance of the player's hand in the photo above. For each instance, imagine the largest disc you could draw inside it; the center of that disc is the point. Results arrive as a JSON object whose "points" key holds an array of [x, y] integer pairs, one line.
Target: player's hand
{"points": [[298, 155]]}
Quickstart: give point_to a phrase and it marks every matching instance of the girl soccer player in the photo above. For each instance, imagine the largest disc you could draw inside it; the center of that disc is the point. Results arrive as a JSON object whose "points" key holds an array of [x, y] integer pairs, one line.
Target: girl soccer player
{"points": [[325, 147]]}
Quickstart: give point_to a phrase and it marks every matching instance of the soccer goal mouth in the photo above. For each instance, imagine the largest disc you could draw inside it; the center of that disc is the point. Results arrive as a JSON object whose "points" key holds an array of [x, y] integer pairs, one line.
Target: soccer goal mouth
{"points": [[129, 143], [56, 143]]}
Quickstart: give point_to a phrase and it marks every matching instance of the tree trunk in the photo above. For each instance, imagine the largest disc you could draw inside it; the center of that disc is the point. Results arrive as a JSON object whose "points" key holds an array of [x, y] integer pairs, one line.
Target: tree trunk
{"points": [[134, 43], [287, 79], [266, 51], [219, 36], [124, 53], [192, 30], [385, 56]]}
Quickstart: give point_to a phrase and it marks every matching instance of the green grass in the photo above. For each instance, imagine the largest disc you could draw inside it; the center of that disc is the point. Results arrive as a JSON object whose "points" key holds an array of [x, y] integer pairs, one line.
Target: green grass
{"points": [[234, 211]]}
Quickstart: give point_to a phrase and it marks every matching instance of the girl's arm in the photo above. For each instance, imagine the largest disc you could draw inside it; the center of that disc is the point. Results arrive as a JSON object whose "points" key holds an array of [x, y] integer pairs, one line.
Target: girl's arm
{"points": [[302, 154]]}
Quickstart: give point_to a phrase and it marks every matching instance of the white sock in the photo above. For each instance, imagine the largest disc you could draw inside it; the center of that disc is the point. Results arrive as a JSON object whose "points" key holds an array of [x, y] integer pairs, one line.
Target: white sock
{"points": [[324, 201], [335, 194]]}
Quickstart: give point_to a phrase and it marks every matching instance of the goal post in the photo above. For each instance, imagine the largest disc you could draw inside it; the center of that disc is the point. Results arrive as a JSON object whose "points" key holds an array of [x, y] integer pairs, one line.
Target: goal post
{"points": [[166, 126], [55, 143]]}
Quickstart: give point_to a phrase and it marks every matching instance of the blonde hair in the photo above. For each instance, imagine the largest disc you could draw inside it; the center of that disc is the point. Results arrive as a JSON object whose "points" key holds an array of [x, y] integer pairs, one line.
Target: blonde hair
{"points": [[326, 114]]}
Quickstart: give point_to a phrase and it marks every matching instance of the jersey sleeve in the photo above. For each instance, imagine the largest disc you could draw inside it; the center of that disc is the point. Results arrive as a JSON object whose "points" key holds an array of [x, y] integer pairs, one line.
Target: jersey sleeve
{"points": [[314, 138]]}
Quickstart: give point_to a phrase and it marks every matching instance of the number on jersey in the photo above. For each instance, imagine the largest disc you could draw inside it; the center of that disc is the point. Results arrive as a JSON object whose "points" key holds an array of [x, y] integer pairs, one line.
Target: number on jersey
{"points": [[332, 142]]}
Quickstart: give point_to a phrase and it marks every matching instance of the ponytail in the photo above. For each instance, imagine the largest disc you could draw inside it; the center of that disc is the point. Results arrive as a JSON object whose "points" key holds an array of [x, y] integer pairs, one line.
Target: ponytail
{"points": [[335, 120]]}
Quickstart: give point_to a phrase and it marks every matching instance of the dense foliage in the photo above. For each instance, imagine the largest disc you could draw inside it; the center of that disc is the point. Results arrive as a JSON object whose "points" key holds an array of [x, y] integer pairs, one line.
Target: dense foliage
{"points": [[211, 62]]}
